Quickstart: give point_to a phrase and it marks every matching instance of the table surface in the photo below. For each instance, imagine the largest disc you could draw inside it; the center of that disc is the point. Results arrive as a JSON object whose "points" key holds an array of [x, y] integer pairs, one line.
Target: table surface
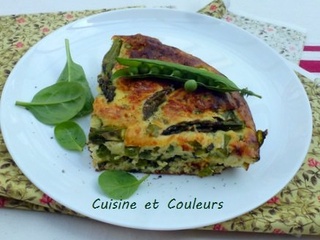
{"points": [[18, 224]]}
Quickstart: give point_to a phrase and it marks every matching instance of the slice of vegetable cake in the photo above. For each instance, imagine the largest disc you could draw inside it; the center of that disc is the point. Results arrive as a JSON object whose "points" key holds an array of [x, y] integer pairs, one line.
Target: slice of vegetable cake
{"points": [[144, 120]]}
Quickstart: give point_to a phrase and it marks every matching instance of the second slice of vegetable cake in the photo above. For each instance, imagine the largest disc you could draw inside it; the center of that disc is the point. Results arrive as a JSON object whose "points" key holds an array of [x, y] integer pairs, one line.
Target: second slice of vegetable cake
{"points": [[154, 125]]}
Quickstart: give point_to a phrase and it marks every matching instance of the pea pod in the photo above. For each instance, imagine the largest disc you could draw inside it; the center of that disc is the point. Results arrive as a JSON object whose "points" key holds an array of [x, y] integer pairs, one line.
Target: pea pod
{"points": [[143, 68]]}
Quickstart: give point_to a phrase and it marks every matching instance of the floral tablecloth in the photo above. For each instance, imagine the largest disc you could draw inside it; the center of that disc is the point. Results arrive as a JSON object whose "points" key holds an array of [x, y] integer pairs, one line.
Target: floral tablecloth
{"points": [[295, 210]]}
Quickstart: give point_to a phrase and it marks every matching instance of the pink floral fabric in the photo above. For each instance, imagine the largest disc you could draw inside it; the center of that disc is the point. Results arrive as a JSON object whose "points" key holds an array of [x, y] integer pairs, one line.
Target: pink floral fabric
{"points": [[286, 41]]}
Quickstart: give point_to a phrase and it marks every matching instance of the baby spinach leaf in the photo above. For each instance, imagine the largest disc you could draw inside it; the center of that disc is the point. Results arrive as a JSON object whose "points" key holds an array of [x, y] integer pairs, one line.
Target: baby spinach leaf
{"points": [[70, 136], [73, 72], [118, 184], [57, 103]]}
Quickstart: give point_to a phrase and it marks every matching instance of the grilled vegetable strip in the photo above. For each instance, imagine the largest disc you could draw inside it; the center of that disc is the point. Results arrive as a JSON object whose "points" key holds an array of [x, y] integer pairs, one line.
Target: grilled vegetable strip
{"points": [[109, 61], [142, 68], [152, 103], [203, 126]]}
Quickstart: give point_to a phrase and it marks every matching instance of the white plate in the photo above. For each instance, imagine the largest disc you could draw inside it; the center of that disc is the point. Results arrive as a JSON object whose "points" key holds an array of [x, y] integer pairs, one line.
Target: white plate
{"points": [[69, 178]]}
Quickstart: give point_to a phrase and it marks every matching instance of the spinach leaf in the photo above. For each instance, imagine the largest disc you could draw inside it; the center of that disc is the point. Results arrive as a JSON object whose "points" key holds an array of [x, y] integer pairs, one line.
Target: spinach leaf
{"points": [[70, 136], [57, 103], [119, 184], [73, 72]]}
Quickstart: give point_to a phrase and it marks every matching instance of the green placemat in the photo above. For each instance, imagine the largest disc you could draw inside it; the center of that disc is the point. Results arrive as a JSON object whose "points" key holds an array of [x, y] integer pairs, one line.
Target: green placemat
{"points": [[295, 210]]}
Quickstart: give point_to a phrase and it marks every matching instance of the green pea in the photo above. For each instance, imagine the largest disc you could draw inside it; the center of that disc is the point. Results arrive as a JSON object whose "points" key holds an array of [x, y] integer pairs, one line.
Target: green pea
{"points": [[143, 68], [133, 71], [190, 85], [154, 70], [176, 73], [166, 71]]}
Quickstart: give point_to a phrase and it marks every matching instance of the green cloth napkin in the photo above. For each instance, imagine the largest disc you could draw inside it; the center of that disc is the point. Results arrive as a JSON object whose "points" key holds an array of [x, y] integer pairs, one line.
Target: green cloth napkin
{"points": [[295, 210]]}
